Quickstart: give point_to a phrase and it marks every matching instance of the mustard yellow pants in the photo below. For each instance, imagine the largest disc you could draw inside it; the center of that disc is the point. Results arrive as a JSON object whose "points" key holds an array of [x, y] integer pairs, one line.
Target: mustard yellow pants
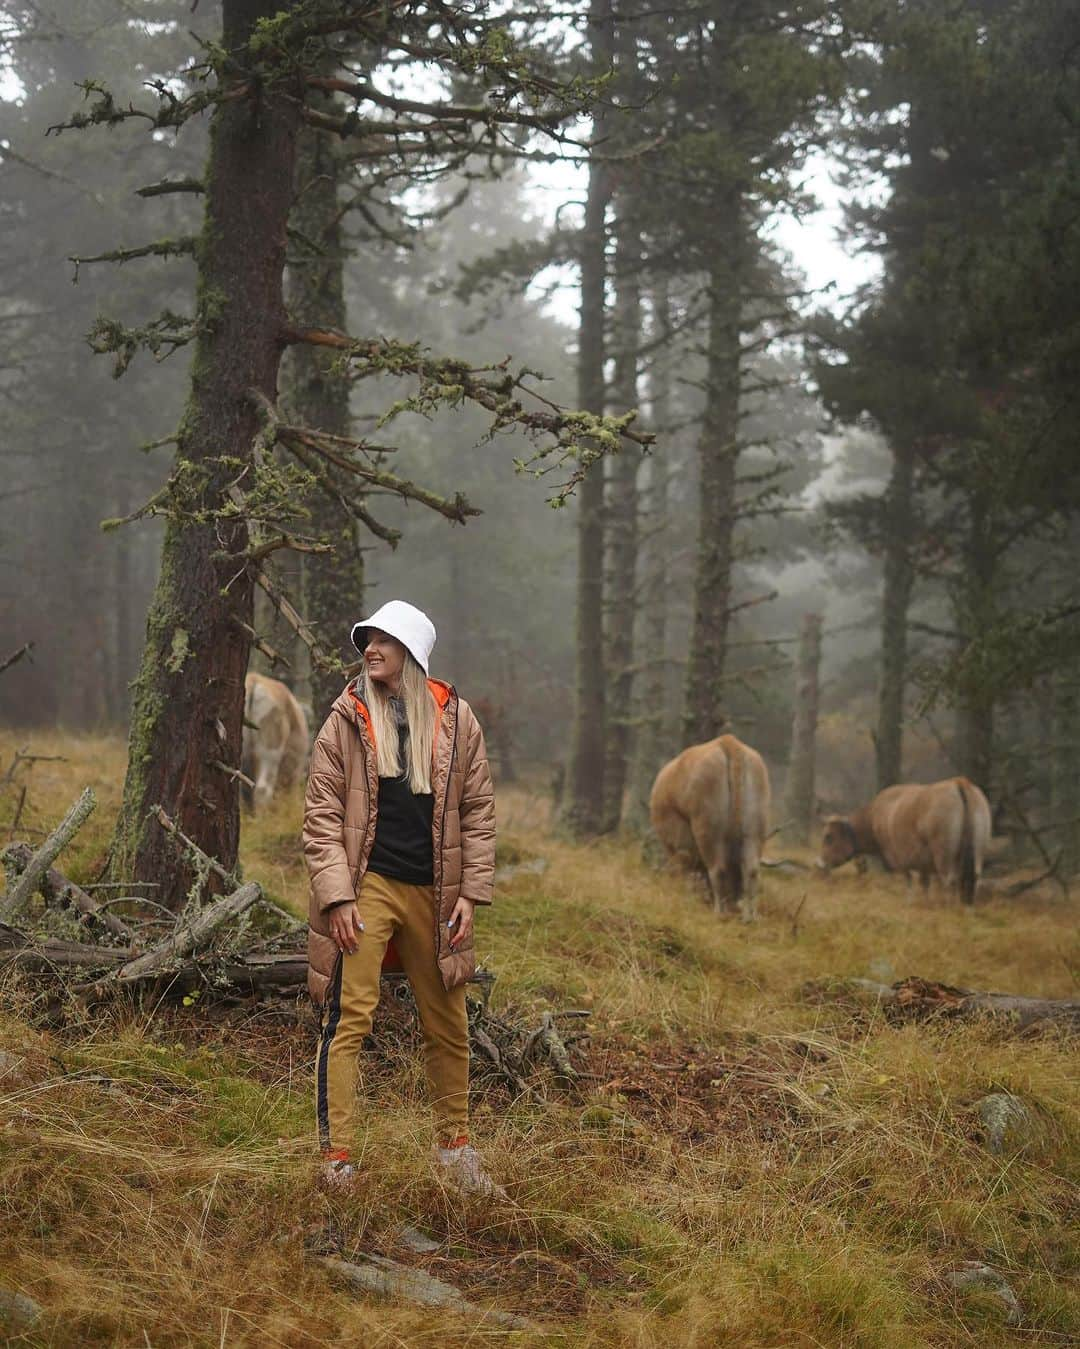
{"points": [[407, 914]]}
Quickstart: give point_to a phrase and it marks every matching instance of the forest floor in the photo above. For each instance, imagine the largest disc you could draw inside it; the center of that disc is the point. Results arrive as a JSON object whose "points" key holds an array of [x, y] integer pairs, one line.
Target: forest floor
{"points": [[749, 1161]]}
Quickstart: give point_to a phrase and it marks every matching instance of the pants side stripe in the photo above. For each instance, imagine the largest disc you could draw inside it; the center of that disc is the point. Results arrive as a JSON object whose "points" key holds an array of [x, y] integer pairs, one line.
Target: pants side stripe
{"points": [[325, 1041]]}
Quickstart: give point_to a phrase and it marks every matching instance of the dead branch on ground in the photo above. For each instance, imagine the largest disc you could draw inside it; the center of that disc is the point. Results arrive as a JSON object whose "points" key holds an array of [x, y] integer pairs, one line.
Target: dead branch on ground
{"points": [[914, 998]]}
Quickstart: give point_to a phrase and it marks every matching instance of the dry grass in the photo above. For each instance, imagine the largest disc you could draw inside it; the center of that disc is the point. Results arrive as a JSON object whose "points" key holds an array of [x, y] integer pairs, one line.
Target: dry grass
{"points": [[749, 1165]]}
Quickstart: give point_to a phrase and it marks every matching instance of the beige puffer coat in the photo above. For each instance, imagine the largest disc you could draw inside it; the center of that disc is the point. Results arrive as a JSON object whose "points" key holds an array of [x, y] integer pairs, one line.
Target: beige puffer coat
{"points": [[339, 825]]}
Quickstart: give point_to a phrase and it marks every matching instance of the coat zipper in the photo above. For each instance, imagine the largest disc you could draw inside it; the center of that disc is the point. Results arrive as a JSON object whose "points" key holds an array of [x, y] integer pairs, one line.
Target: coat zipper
{"points": [[437, 906]]}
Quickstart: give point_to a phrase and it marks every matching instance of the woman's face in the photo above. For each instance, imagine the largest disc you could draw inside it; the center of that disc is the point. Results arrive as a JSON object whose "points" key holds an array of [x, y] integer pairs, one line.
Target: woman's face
{"points": [[385, 659]]}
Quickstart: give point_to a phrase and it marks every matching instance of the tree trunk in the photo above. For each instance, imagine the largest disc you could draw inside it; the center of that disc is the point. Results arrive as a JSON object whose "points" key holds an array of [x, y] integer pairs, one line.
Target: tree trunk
{"points": [[622, 531], [977, 612], [1065, 811], [651, 746], [189, 694], [583, 801], [799, 789], [899, 579], [317, 393], [703, 717], [125, 654]]}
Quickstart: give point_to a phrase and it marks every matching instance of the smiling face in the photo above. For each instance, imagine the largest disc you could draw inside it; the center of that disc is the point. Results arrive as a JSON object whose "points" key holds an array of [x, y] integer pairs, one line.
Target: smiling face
{"points": [[384, 657], [837, 842]]}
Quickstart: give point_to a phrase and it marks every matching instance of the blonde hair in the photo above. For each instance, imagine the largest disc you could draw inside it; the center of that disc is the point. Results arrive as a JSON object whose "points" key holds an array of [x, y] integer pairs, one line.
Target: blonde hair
{"points": [[420, 715]]}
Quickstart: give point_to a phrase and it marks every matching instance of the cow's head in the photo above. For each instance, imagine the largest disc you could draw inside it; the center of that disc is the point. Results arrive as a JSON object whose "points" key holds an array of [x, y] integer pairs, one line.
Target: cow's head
{"points": [[837, 843]]}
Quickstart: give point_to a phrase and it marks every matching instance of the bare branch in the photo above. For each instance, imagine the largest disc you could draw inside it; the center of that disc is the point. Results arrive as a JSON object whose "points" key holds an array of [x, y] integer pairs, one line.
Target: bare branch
{"points": [[167, 186], [23, 650], [160, 248]]}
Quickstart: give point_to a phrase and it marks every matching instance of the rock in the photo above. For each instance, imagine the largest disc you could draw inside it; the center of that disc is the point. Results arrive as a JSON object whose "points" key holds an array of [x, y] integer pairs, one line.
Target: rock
{"points": [[972, 1276], [17, 1310], [417, 1241], [386, 1278], [881, 968], [1007, 1122]]}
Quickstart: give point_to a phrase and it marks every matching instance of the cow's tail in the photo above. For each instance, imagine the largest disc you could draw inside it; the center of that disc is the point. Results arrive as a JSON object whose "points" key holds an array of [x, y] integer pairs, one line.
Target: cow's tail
{"points": [[736, 770], [968, 876]]}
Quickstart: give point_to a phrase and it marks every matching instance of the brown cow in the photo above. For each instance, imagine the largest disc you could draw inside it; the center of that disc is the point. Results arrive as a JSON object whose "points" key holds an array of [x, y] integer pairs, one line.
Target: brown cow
{"points": [[710, 808], [276, 742], [938, 829]]}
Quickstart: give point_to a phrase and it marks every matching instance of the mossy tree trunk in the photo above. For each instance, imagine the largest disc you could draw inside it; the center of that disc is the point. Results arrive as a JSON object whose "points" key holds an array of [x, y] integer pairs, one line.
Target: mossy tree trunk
{"points": [[896, 600], [189, 694], [651, 745], [583, 798], [718, 451], [621, 520], [799, 789], [316, 391]]}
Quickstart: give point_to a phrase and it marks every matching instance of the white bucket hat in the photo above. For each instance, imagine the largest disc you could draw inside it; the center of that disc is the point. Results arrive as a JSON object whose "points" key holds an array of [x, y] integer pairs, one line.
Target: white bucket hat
{"points": [[410, 625]]}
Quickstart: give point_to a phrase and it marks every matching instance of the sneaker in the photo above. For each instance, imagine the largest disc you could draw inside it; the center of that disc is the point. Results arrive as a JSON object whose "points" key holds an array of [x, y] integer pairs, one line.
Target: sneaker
{"points": [[464, 1170], [337, 1172]]}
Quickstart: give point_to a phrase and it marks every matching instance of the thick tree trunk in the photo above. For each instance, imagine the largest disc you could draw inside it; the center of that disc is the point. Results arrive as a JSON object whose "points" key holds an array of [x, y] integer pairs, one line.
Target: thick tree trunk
{"points": [[1065, 809], [583, 798], [621, 520], [316, 390], [651, 748], [703, 716], [799, 790], [976, 615], [189, 694], [899, 579], [125, 654]]}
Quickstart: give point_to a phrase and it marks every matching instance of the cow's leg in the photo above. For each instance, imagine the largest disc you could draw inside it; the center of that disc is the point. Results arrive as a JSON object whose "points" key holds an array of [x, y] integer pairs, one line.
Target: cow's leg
{"points": [[712, 858], [266, 780], [721, 888], [749, 888], [946, 868]]}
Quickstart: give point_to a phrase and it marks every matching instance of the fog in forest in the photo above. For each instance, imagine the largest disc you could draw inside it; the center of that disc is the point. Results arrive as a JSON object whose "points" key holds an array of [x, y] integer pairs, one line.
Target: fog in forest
{"points": [[894, 410], [691, 958]]}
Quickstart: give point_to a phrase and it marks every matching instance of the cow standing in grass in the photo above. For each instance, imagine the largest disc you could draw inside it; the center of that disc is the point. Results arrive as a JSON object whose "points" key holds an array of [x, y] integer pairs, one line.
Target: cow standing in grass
{"points": [[710, 809], [941, 829], [276, 738]]}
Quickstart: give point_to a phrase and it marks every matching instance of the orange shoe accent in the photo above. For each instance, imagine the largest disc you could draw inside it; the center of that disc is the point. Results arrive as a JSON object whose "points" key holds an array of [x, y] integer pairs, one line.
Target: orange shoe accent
{"points": [[337, 1155], [461, 1141]]}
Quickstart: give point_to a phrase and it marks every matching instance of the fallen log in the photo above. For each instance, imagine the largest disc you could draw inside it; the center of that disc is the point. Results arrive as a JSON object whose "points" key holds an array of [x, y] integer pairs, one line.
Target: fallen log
{"points": [[26, 886], [51, 953], [917, 997], [189, 934], [58, 890], [249, 973], [547, 1038]]}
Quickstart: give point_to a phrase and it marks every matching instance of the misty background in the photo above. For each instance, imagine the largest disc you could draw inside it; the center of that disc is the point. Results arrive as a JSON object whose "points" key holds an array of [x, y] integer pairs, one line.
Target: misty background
{"points": [[428, 262]]}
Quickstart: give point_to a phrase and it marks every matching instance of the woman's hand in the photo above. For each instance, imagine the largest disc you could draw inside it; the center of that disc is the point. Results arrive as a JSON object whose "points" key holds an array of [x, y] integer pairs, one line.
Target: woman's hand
{"points": [[461, 922], [345, 926]]}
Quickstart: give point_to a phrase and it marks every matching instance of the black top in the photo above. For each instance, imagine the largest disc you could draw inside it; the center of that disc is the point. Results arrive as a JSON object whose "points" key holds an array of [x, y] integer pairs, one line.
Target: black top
{"points": [[402, 849]]}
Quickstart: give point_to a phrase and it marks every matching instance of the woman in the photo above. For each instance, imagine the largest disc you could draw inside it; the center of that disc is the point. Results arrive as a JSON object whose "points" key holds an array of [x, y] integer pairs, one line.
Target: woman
{"points": [[399, 836]]}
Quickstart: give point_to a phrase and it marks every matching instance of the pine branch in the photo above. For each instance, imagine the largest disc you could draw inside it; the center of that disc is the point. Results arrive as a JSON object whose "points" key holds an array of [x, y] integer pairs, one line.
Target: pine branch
{"points": [[439, 113], [330, 663], [581, 437], [261, 644], [160, 248], [167, 186], [289, 435]]}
